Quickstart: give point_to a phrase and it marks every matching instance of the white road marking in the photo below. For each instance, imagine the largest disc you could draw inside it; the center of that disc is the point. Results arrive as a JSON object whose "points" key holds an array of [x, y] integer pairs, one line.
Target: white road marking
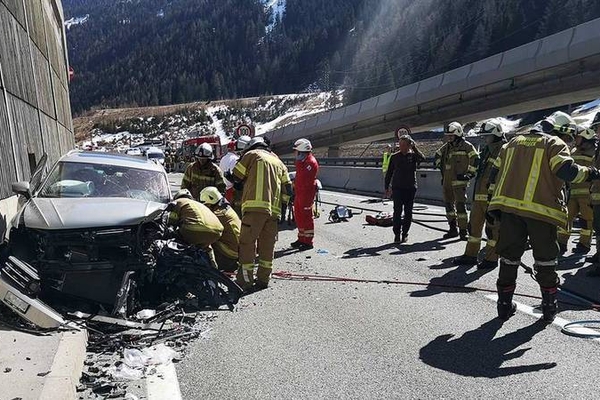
{"points": [[164, 384], [558, 321]]}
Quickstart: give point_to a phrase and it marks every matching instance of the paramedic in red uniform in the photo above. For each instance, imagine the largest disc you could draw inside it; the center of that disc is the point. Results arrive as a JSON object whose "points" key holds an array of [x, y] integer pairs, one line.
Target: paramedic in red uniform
{"points": [[305, 187]]}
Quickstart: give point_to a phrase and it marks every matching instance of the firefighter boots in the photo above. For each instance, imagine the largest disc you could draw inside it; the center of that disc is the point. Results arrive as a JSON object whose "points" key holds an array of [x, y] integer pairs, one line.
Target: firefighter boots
{"points": [[506, 307], [549, 303], [464, 235], [452, 232], [465, 260]]}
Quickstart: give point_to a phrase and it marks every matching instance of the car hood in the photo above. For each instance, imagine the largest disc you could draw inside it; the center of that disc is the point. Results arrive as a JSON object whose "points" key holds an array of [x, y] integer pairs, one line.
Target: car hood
{"points": [[62, 213]]}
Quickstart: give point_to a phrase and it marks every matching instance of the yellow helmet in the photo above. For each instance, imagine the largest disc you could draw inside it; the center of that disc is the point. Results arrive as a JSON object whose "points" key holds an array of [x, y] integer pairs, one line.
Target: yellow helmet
{"points": [[183, 193], [210, 195], [559, 123]]}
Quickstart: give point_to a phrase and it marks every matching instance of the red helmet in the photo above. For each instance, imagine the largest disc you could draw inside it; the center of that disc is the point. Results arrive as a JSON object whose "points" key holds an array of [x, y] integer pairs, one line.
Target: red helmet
{"points": [[231, 145]]}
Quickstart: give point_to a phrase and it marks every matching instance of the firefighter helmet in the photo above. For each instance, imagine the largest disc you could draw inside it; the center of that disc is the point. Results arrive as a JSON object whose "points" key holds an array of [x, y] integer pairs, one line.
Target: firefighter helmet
{"points": [[205, 150], [242, 142], [491, 127], [586, 133], [210, 195], [303, 145], [255, 143], [454, 128], [559, 123], [183, 193]]}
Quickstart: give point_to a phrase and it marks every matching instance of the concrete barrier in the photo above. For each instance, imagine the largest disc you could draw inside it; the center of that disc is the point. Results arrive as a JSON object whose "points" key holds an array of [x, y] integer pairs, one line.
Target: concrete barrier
{"points": [[371, 180]]}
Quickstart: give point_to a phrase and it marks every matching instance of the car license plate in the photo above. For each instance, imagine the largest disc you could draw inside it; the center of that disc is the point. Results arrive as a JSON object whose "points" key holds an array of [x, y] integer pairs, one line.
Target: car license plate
{"points": [[15, 302]]}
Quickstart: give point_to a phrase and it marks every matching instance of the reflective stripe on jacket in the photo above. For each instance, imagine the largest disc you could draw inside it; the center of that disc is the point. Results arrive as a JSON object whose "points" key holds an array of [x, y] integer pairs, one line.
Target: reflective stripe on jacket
{"points": [[455, 159], [584, 156], [486, 164], [198, 177], [527, 184], [265, 180], [194, 216], [232, 225]]}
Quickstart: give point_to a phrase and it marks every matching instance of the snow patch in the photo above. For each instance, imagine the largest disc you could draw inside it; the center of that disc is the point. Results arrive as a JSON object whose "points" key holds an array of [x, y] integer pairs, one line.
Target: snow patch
{"points": [[76, 21], [277, 9]]}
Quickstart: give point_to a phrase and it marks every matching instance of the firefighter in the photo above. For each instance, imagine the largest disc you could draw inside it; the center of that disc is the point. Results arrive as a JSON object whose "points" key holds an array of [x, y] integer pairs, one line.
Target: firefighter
{"points": [[305, 190], [227, 164], [197, 224], [457, 159], [528, 198], [226, 248], [265, 186], [579, 194], [203, 172], [493, 133]]}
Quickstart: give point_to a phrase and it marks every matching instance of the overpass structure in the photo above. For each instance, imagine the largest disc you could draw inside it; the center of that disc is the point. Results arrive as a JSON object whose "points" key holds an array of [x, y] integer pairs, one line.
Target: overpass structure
{"points": [[560, 69]]}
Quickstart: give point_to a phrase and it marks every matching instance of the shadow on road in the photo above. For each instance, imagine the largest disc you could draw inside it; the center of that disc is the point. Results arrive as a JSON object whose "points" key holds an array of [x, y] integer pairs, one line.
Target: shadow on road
{"points": [[459, 276], [478, 353], [403, 248]]}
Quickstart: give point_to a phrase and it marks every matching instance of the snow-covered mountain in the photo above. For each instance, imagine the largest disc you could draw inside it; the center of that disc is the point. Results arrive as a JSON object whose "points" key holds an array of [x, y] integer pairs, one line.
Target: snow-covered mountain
{"points": [[118, 129]]}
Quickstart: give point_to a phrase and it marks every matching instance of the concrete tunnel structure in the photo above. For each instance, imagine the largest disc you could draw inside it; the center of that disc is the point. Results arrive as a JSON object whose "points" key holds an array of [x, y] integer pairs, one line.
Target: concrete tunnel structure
{"points": [[560, 69]]}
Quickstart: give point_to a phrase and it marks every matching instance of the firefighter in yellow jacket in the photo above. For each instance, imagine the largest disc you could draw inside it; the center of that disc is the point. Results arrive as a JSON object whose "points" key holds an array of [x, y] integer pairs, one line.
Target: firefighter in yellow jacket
{"points": [[197, 225], [226, 248], [266, 185], [529, 200], [457, 159], [493, 133], [203, 172], [579, 194]]}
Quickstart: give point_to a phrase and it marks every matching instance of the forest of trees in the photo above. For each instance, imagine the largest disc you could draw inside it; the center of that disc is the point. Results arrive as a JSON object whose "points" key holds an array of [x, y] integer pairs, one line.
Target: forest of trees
{"points": [[149, 52]]}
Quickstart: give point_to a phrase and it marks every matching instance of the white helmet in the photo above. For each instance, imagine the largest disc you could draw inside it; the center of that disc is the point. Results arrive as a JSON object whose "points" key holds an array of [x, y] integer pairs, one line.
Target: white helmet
{"points": [[257, 141], [491, 127], [586, 133], [303, 145], [559, 123], [183, 193], [454, 128], [204, 150], [210, 195], [242, 142]]}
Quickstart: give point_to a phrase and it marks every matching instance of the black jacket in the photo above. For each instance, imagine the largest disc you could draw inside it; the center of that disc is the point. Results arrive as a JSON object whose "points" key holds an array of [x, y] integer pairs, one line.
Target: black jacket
{"points": [[402, 170]]}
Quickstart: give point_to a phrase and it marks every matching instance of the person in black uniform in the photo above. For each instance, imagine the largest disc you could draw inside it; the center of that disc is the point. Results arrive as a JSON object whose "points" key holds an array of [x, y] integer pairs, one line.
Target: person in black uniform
{"points": [[402, 176]]}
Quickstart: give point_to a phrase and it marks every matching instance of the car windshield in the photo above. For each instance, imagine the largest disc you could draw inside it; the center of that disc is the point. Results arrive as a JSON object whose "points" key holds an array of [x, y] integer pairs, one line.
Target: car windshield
{"points": [[69, 179]]}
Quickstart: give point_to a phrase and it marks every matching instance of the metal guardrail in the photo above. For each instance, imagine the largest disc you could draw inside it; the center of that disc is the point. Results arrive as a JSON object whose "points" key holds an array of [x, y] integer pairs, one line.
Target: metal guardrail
{"points": [[366, 162]]}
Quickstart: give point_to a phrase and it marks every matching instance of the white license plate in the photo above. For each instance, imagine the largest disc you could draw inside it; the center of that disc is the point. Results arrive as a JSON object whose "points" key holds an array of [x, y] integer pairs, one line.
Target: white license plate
{"points": [[15, 302]]}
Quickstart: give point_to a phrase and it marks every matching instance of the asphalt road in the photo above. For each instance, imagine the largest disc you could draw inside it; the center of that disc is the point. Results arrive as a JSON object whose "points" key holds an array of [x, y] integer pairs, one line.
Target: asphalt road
{"points": [[309, 339]]}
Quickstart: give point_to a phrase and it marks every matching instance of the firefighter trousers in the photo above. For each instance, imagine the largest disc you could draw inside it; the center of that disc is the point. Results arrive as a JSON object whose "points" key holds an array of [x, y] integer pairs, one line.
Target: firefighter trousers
{"points": [[476, 224], [259, 231], [304, 216], [515, 233], [201, 239], [578, 206], [455, 199]]}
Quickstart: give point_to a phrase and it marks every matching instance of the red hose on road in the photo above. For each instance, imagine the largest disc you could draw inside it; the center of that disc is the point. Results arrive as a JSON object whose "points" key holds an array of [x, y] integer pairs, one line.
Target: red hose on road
{"points": [[289, 276]]}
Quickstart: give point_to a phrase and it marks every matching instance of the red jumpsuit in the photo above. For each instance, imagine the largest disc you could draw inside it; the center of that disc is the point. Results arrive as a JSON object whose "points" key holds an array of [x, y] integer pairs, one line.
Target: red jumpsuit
{"points": [[304, 197]]}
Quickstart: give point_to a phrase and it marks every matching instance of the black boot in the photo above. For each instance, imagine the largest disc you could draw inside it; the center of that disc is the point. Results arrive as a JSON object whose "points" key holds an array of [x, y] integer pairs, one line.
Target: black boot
{"points": [[549, 303], [487, 264], [464, 235], [465, 260], [506, 307], [452, 232]]}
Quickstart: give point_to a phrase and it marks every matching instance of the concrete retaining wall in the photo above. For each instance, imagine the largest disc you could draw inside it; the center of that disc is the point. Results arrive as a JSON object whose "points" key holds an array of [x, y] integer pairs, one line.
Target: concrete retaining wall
{"points": [[370, 180]]}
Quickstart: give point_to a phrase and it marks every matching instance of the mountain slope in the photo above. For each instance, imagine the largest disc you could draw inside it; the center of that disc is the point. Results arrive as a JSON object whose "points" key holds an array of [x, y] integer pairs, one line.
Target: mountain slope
{"points": [[154, 52]]}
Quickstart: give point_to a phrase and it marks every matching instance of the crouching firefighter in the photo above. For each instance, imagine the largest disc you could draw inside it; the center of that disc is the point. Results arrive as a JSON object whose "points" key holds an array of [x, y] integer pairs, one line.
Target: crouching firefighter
{"points": [[226, 248], [529, 175], [579, 194], [493, 133], [266, 185], [197, 225], [457, 159]]}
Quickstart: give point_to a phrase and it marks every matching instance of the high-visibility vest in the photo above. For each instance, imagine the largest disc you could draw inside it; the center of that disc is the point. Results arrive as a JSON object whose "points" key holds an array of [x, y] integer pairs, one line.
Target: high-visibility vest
{"points": [[385, 164]]}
